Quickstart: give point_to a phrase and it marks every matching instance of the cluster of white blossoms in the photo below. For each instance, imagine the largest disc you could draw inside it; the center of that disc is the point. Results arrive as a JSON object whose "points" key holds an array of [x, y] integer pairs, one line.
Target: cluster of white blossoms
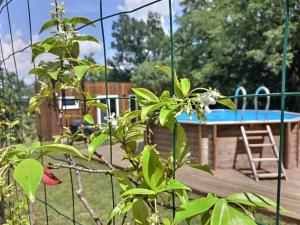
{"points": [[112, 120], [153, 219], [208, 98], [65, 35], [59, 9]]}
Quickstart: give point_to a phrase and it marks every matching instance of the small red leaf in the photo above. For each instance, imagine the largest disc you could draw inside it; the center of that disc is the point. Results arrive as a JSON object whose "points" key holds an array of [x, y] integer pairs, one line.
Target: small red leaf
{"points": [[49, 178]]}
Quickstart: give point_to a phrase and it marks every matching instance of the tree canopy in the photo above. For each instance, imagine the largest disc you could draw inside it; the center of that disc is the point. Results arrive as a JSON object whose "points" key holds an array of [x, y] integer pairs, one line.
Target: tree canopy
{"points": [[136, 41], [226, 44], [222, 44]]}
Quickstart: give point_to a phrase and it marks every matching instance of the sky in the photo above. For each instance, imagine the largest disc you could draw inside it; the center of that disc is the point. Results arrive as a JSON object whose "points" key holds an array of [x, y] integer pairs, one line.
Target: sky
{"points": [[87, 8]]}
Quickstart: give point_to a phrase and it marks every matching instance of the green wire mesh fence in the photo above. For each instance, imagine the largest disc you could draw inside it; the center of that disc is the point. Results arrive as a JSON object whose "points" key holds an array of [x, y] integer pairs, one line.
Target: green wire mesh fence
{"points": [[6, 96]]}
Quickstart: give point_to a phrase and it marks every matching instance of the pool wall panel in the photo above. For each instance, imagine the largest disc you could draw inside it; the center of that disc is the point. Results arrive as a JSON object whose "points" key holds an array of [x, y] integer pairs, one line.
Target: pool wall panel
{"points": [[222, 146]]}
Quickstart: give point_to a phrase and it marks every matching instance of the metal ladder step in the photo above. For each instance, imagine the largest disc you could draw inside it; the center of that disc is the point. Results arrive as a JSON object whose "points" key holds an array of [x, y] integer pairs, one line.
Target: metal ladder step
{"points": [[257, 132], [269, 175], [264, 159], [260, 145]]}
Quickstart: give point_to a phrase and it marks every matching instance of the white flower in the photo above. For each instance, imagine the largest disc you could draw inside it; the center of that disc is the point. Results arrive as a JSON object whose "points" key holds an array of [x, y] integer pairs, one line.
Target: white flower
{"points": [[112, 120], [207, 109], [209, 98], [205, 100], [153, 219]]}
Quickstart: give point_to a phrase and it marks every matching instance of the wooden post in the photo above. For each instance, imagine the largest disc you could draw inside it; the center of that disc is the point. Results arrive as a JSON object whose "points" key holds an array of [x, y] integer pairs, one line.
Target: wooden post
{"points": [[214, 147], [298, 150], [199, 143], [204, 146], [286, 150]]}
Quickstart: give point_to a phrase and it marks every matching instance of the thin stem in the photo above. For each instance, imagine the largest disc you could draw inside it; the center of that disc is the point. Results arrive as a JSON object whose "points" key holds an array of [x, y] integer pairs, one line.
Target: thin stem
{"points": [[75, 167], [80, 194]]}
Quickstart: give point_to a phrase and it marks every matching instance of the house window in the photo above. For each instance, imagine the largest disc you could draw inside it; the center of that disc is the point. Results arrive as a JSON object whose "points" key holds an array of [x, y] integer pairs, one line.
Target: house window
{"points": [[113, 103], [69, 102], [132, 103]]}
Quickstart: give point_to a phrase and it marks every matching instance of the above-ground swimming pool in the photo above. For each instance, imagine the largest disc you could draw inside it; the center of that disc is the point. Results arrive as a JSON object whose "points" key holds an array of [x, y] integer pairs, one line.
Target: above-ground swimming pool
{"points": [[240, 116], [218, 140]]}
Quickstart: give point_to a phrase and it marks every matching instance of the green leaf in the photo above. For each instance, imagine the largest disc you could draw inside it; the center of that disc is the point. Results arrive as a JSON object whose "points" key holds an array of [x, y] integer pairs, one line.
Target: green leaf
{"points": [[123, 180], [75, 50], [59, 148], [170, 123], [149, 109], [228, 103], [205, 218], [153, 170], [37, 49], [251, 199], [53, 74], [38, 71], [236, 217], [97, 104], [98, 69], [185, 86], [176, 185], [166, 221], [165, 95], [131, 115], [60, 52], [81, 20], [13, 123], [28, 174], [20, 152], [194, 208], [181, 143], [80, 71], [140, 213], [204, 167], [183, 196], [138, 191], [88, 118], [87, 38], [220, 213], [145, 94], [35, 144], [96, 143], [49, 24], [121, 207], [163, 116], [177, 87], [34, 102]]}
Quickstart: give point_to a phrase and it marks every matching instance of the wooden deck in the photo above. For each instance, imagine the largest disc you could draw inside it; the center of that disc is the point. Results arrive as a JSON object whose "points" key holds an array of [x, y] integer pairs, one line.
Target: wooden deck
{"points": [[227, 181]]}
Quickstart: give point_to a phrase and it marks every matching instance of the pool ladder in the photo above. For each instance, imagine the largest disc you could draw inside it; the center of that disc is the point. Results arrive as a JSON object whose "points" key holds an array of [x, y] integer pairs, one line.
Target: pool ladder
{"points": [[247, 136], [237, 93], [258, 91]]}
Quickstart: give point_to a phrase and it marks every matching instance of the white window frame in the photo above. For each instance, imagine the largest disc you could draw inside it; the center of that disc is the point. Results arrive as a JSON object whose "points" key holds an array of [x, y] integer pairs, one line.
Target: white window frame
{"points": [[129, 99], [104, 97], [67, 107]]}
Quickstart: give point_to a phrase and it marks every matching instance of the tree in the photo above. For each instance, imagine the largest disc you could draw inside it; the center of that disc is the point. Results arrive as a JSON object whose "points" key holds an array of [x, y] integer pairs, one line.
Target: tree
{"points": [[136, 41], [147, 76], [114, 74], [230, 43]]}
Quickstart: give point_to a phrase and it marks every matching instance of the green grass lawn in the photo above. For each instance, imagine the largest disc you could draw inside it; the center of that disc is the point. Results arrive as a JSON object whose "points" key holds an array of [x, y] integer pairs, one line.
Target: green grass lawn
{"points": [[97, 190]]}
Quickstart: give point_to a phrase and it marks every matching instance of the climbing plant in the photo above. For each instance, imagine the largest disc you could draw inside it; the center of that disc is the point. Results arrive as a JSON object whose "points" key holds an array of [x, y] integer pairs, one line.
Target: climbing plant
{"points": [[148, 183]]}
